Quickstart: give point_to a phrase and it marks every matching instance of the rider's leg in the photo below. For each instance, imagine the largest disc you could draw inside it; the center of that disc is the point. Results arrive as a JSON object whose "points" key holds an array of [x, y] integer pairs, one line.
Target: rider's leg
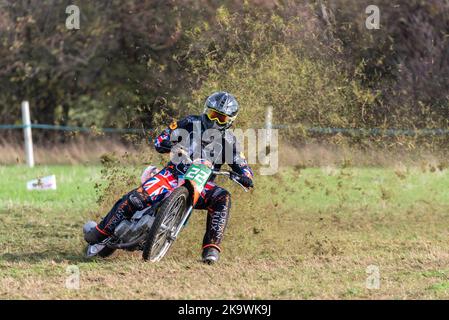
{"points": [[124, 208], [217, 201], [138, 199]]}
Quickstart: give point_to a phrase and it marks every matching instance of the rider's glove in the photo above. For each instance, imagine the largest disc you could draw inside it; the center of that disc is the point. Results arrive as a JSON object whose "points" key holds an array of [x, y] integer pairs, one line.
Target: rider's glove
{"points": [[247, 182]]}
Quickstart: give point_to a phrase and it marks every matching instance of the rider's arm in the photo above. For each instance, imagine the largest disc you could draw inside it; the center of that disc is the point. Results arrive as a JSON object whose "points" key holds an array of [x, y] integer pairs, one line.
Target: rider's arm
{"points": [[244, 170], [240, 166], [162, 143]]}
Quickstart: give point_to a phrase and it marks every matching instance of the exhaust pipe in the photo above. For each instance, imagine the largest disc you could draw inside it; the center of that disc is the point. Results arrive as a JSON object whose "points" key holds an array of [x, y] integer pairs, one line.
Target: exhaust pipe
{"points": [[128, 244]]}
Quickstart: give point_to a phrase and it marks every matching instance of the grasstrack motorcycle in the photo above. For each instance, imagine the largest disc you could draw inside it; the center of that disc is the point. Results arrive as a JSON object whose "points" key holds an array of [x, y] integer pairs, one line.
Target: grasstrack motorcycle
{"points": [[154, 229]]}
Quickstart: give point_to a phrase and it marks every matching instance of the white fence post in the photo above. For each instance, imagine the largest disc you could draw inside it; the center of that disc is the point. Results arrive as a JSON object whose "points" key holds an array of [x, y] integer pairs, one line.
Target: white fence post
{"points": [[26, 119], [268, 122]]}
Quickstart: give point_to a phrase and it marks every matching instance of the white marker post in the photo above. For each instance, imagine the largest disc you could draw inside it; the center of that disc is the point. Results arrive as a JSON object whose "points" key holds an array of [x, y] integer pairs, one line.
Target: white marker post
{"points": [[27, 133], [268, 122]]}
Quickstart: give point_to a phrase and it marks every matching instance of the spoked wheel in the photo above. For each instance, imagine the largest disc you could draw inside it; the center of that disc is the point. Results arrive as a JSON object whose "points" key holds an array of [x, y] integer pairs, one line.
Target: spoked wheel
{"points": [[167, 220]]}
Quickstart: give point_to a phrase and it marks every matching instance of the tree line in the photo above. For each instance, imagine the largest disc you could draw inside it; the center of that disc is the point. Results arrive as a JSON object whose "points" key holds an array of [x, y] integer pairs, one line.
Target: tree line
{"points": [[138, 63]]}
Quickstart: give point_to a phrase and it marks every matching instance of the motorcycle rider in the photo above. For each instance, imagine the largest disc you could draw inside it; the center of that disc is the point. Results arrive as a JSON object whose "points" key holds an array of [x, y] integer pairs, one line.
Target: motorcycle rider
{"points": [[220, 111]]}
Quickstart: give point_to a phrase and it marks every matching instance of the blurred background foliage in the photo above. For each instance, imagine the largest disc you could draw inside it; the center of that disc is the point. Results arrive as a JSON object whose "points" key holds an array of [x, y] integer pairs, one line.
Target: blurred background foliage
{"points": [[140, 63]]}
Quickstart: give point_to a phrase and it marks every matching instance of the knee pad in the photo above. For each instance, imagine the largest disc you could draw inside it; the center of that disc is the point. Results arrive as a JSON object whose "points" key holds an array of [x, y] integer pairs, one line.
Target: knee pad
{"points": [[138, 200], [221, 199], [91, 234]]}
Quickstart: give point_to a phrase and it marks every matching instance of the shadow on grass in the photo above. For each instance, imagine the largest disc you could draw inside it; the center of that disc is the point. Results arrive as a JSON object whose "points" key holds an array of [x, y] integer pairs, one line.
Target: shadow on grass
{"points": [[33, 257]]}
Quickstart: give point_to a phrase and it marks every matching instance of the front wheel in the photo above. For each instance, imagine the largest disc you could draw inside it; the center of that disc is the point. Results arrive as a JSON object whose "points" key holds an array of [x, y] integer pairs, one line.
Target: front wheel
{"points": [[167, 220]]}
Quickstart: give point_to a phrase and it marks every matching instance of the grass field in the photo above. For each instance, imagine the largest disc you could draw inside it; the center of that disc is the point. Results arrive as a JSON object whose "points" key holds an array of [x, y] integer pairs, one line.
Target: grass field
{"points": [[301, 234]]}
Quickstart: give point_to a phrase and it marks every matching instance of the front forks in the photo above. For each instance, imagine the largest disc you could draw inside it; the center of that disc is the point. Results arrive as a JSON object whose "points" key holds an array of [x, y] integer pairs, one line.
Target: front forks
{"points": [[183, 223]]}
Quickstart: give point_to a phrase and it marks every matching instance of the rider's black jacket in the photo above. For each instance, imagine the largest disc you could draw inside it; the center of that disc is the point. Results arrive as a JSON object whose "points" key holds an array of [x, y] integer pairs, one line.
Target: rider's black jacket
{"points": [[192, 131]]}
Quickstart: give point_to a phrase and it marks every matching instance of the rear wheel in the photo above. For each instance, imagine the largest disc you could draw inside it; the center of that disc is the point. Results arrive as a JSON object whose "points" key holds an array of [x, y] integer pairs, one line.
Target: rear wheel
{"points": [[167, 221]]}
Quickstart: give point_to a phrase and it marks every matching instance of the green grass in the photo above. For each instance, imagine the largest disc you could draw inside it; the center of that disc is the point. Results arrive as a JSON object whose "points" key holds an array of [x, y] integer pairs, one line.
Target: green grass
{"points": [[75, 187], [301, 234]]}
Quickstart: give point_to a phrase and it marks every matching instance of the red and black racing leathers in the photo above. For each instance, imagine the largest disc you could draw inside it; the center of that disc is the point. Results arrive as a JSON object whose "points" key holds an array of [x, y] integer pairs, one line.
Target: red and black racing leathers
{"points": [[216, 200]]}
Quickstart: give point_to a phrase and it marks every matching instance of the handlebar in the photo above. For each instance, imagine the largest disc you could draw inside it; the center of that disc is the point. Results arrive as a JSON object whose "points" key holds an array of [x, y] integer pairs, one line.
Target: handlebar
{"points": [[223, 173], [228, 174], [218, 173]]}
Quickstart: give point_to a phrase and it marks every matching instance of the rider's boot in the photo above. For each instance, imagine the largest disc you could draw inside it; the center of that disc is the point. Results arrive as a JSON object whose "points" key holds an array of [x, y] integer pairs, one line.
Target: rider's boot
{"points": [[91, 234], [211, 254], [94, 238]]}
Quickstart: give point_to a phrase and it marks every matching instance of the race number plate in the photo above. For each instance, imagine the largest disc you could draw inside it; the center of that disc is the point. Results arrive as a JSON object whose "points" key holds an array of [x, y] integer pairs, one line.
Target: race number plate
{"points": [[198, 173]]}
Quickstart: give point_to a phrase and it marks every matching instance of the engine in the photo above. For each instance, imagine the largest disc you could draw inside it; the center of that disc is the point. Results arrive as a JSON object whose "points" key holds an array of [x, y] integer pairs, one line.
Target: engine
{"points": [[129, 231]]}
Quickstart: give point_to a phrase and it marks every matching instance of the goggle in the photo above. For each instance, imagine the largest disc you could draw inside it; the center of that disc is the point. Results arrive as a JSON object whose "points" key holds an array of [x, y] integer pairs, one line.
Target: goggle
{"points": [[221, 118]]}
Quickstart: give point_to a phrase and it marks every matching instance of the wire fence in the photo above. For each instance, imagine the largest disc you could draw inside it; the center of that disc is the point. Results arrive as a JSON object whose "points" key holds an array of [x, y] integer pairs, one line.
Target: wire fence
{"points": [[312, 130], [27, 127], [72, 128]]}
